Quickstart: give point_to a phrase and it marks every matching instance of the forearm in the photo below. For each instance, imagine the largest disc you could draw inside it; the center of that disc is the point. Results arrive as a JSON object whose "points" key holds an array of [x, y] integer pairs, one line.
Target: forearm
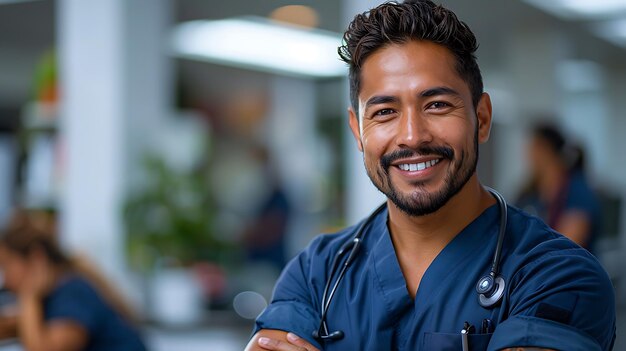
{"points": [[278, 340], [31, 324], [253, 345]]}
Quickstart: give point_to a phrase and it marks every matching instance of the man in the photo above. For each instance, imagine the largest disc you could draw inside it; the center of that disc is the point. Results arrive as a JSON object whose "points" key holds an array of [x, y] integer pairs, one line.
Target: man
{"points": [[418, 113]]}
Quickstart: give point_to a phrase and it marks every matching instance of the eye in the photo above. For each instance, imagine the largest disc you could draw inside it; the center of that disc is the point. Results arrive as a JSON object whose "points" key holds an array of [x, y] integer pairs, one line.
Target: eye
{"points": [[438, 105], [384, 112]]}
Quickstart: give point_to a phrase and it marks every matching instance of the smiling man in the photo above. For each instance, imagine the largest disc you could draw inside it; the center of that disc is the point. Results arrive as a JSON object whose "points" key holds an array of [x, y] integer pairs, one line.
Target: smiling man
{"points": [[446, 264]]}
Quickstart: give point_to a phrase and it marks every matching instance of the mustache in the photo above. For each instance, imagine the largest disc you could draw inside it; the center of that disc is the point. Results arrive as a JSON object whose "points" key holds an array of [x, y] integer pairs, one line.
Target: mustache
{"points": [[442, 151]]}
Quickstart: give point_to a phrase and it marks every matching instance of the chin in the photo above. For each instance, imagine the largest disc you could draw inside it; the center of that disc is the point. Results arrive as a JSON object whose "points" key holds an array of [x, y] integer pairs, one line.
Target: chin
{"points": [[421, 189]]}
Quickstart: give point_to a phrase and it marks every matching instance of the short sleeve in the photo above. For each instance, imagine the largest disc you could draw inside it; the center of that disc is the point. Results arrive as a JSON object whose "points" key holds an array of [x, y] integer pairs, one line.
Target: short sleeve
{"points": [[74, 301], [562, 301], [580, 197], [293, 308]]}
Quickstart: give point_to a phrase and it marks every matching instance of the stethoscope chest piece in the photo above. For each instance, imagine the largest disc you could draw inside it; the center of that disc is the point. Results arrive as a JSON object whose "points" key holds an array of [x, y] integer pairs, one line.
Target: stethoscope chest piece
{"points": [[490, 290]]}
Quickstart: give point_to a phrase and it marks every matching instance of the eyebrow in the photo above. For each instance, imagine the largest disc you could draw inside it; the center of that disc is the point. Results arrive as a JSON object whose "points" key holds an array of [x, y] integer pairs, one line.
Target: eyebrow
{"points": [[380, 99], [439, 91]]}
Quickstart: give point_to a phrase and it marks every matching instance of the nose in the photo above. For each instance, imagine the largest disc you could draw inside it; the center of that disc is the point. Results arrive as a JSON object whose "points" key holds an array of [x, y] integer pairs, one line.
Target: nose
{"points": [[413, 129]]}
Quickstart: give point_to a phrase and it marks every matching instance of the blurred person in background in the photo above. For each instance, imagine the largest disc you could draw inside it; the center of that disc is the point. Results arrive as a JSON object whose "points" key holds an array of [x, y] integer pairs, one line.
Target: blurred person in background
{"points": [[64, 304], [558, 190]]}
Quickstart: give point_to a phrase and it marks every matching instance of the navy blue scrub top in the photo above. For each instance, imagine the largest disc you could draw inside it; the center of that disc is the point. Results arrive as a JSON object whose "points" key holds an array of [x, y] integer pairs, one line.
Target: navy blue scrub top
{"points": [[578, 196], [557, 295], [74, 299]]}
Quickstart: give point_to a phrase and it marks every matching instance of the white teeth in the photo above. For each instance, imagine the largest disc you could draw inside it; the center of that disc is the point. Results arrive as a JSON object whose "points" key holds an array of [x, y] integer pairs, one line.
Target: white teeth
{"points": [[412, 167]]}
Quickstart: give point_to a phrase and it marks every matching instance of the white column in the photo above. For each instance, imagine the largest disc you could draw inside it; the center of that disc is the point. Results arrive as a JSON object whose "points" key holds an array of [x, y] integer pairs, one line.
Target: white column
{"points": [[91, 60], [8, 148], [293, 143], [361, 195], [113, 75], [148, 83]]}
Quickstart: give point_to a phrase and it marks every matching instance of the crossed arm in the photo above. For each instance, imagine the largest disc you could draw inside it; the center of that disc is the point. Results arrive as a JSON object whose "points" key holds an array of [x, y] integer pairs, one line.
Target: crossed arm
{"points": [[278, 340]]}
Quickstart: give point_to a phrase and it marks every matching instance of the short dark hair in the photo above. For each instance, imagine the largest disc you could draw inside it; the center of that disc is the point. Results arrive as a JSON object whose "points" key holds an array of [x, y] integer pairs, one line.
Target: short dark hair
{"points": [[23, 236], [551, 135], [396, 23]]}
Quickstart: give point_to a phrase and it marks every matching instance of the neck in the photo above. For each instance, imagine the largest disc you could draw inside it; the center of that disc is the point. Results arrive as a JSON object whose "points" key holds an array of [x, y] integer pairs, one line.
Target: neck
{"points": [[424, 236]]}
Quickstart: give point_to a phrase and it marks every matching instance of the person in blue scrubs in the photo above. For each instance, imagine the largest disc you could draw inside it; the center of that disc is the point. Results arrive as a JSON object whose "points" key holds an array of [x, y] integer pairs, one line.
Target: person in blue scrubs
{"points": [[63, 304], [558, 190], [418, 113]]}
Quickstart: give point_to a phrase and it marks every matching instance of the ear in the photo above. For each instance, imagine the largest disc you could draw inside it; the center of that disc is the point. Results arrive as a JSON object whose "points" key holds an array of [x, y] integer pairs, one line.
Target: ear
{"points": [[355, 128], [483, 114]]}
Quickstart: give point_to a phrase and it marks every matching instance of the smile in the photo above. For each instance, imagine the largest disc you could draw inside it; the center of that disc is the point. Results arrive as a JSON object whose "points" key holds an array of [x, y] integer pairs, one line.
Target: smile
{"points": [[411, 167]]}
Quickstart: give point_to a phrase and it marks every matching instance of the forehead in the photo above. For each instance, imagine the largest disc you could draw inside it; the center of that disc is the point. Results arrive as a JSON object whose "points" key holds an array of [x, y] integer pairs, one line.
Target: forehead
{"points": [[411, 65]]}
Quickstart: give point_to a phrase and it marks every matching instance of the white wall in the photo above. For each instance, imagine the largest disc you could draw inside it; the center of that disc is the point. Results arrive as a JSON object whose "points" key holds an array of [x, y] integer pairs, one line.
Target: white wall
{"points": [[362, 197], [116, 86]]}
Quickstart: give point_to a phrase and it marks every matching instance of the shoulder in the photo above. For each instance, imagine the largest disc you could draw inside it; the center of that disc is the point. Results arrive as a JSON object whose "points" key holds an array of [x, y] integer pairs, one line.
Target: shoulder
{"points": [[308, 271], [553, 280], [76, 300], [529, 236], [531, 242], [73, 285], [581, 193], [578, 180], [326, 245], [72, 290], [295, 303]]}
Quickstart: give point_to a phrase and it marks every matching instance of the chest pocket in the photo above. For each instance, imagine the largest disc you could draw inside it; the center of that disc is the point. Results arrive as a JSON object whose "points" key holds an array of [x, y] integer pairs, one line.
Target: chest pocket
{"points": [[453, 342]]}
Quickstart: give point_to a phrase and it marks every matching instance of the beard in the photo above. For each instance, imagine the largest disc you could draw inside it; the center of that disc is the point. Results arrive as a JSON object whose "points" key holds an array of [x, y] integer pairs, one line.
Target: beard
{"points": [[420, 202]]}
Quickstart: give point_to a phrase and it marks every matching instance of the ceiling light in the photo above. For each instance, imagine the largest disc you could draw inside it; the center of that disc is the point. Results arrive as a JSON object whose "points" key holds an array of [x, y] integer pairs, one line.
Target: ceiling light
{"points": [[300, 15], [572, 9], [261, 44], [613, 31]]}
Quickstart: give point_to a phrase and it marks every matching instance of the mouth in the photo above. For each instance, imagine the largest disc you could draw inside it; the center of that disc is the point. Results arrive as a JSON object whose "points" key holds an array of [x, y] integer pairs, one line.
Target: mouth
{"points": [[420, 166]]}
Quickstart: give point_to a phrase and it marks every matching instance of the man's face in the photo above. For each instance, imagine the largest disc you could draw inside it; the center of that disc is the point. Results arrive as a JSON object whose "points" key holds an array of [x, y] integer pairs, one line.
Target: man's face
{"points": [[417, 126]]}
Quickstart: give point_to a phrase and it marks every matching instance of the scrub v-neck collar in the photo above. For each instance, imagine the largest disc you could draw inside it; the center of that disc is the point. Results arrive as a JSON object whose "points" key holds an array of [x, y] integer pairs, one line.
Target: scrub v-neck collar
{"points": [[390, 279]]}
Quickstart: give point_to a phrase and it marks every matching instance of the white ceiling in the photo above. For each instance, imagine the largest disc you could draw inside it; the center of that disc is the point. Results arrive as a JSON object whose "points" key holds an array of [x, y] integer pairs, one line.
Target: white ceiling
{"points": [[27, 30]]}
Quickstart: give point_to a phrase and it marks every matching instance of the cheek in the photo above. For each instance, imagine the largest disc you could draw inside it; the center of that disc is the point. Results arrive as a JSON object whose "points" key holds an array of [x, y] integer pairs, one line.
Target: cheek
{"points": [[376, 139], [13, 274], [459, 136], [535, 154]]}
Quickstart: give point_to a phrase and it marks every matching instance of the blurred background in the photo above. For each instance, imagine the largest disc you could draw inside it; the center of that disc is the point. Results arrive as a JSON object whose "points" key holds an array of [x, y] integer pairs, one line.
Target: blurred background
{"points": [[190, 148]]}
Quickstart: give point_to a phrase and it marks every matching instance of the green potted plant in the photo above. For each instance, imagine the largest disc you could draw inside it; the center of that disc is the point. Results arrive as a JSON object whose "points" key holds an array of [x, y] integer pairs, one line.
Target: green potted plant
{"points": [[169, 227]]}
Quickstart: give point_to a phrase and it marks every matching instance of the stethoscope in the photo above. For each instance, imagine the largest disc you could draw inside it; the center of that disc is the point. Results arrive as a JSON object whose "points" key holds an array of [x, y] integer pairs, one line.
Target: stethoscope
{"points": [[490, 288]]}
